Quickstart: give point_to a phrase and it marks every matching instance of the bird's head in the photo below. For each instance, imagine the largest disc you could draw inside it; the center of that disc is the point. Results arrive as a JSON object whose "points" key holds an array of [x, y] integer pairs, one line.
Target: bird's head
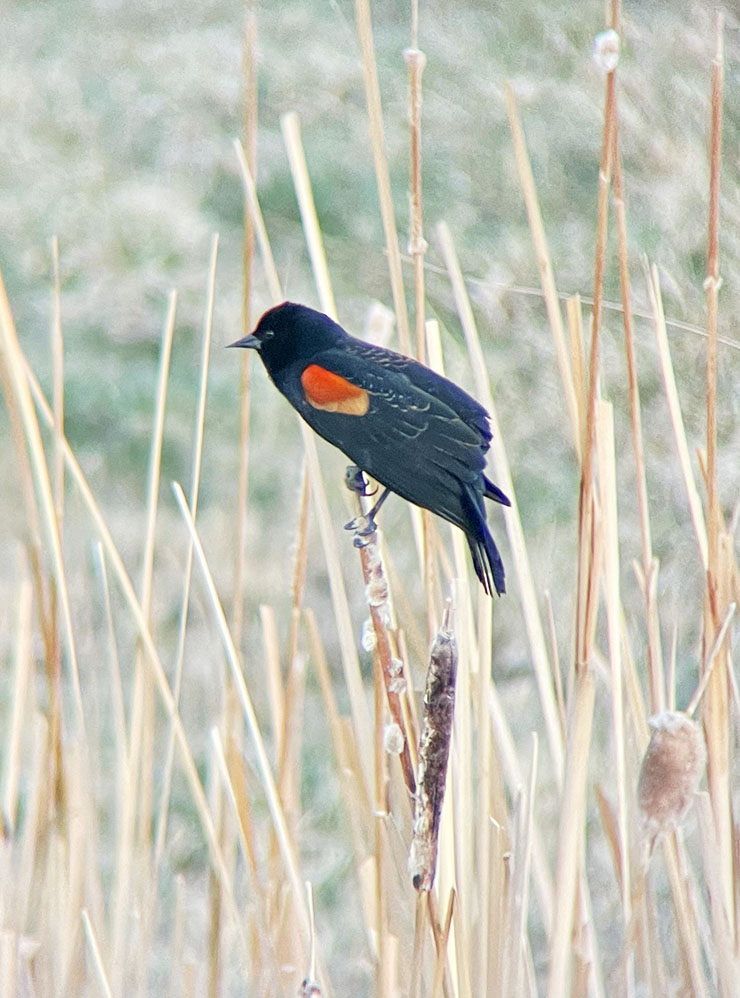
{"points": [[290, 332]]}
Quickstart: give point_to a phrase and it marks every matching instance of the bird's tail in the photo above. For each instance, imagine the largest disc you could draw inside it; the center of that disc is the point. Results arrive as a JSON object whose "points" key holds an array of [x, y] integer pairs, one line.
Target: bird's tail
{"points": [[492, 491], [486, 560]]}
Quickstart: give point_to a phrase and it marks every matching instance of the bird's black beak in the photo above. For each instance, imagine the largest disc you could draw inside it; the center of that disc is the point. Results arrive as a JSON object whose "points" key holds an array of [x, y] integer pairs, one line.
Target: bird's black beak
{"points": [[248, 342]]}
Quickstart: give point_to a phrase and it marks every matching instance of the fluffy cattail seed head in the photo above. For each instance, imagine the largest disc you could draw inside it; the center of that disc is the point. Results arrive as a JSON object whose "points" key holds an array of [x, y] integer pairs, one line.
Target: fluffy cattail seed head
{"points": [[606, 51], [670, 771]]}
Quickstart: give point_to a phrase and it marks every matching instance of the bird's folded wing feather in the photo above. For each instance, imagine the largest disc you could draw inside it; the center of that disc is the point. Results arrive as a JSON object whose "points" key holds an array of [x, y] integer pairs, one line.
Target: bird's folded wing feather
{"points": [[450, 434]]}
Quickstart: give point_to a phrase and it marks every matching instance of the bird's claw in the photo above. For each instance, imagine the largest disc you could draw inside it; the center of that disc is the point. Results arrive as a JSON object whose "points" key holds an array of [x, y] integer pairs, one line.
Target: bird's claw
{"points": [[363, 526]]}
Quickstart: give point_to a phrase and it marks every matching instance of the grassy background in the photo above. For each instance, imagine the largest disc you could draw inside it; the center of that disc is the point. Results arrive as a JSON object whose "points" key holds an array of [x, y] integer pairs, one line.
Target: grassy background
{"points": [[117, 120]]}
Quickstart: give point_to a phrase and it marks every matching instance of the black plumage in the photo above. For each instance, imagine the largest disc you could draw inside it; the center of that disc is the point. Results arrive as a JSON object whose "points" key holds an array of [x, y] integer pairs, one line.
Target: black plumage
{"points": [[413, 431]]}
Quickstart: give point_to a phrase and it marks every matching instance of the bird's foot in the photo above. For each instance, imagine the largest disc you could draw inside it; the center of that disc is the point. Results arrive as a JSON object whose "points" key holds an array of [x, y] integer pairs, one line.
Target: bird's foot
{"points": [[363, 527], [354, 479]]}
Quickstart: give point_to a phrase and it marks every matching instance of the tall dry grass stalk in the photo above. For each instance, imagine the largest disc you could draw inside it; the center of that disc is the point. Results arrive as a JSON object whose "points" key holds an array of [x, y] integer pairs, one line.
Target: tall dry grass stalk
{"points": [[549, 848]]}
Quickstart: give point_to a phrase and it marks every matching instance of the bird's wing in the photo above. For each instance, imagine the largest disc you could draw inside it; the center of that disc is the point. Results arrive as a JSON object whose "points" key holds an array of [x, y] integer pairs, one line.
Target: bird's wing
{"points": [[466, 407], [413, 431]]}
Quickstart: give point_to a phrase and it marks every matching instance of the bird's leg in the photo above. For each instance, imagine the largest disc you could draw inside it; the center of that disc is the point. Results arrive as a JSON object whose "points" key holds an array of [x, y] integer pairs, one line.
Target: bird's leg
{"points": [[363, 525], [354, 479]]}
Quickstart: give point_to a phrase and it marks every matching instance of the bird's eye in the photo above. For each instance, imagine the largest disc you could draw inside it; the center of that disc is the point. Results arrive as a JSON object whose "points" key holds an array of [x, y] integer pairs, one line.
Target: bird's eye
{"points": [[267, 334]]}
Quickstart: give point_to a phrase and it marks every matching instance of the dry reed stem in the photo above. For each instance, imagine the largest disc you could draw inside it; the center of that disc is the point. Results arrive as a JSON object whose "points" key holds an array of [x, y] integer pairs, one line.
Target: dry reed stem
{"points": [[287, 847], [54, 664], [250, 104], [255, 213], [555, 660], [57, 365], [297, 159], [611, 830], [633, 691], [712, 286], [588, 568], [421, 914], [288, 755], [656, 675], [162, 810], [370, 556], [486, 804], [710, 660], [350, 661], [544, 262], [441, 961], [21, 682], [9, 964], [177, 952], [234, 783], [357, 806], [116, 685], [520, 557], [30, 867], [500, 867], [518, 952], [32, 516], [674, 409], [571, 833], [429, 537], [570, 885], [242, 492], [587, 962], [607, 475], [19, 398], [391, 668], [416, 60], [380, 815], [141, 740], [124, 788], [456, 864], [576, 339], [143, 630], [382, 176], [686, 920], [273, 671], [716, 714], [509, 757], [727, 960], [311, 975], [103, 980]]}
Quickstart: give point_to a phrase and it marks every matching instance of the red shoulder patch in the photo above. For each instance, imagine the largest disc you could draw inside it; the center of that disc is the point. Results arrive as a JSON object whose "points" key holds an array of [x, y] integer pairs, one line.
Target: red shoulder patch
{"points": [[333, 393]]}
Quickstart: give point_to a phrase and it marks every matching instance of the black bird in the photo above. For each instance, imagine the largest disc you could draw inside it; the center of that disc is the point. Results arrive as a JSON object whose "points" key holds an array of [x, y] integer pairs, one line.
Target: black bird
{"points": [[412, 430]]}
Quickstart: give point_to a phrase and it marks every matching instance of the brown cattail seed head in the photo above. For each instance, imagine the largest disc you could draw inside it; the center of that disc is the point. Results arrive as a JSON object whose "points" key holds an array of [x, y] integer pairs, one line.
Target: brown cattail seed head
{"points": [[670, 771]]}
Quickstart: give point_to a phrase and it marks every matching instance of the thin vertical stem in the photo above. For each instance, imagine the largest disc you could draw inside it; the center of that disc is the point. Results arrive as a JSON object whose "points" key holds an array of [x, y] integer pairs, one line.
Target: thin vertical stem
{"points": [[377, 140], [711, 285], [717, 721], [245, 393], [656, 676], [586, 564]]}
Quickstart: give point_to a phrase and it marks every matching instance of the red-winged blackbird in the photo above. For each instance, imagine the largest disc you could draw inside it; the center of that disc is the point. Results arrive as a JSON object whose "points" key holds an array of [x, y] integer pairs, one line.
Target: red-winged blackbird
{"points": [[412, 430]]}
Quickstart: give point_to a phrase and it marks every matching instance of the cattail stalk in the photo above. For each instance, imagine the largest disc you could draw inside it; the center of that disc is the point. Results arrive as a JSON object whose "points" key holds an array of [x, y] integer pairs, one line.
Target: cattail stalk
{"points": [[434, 750]]}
